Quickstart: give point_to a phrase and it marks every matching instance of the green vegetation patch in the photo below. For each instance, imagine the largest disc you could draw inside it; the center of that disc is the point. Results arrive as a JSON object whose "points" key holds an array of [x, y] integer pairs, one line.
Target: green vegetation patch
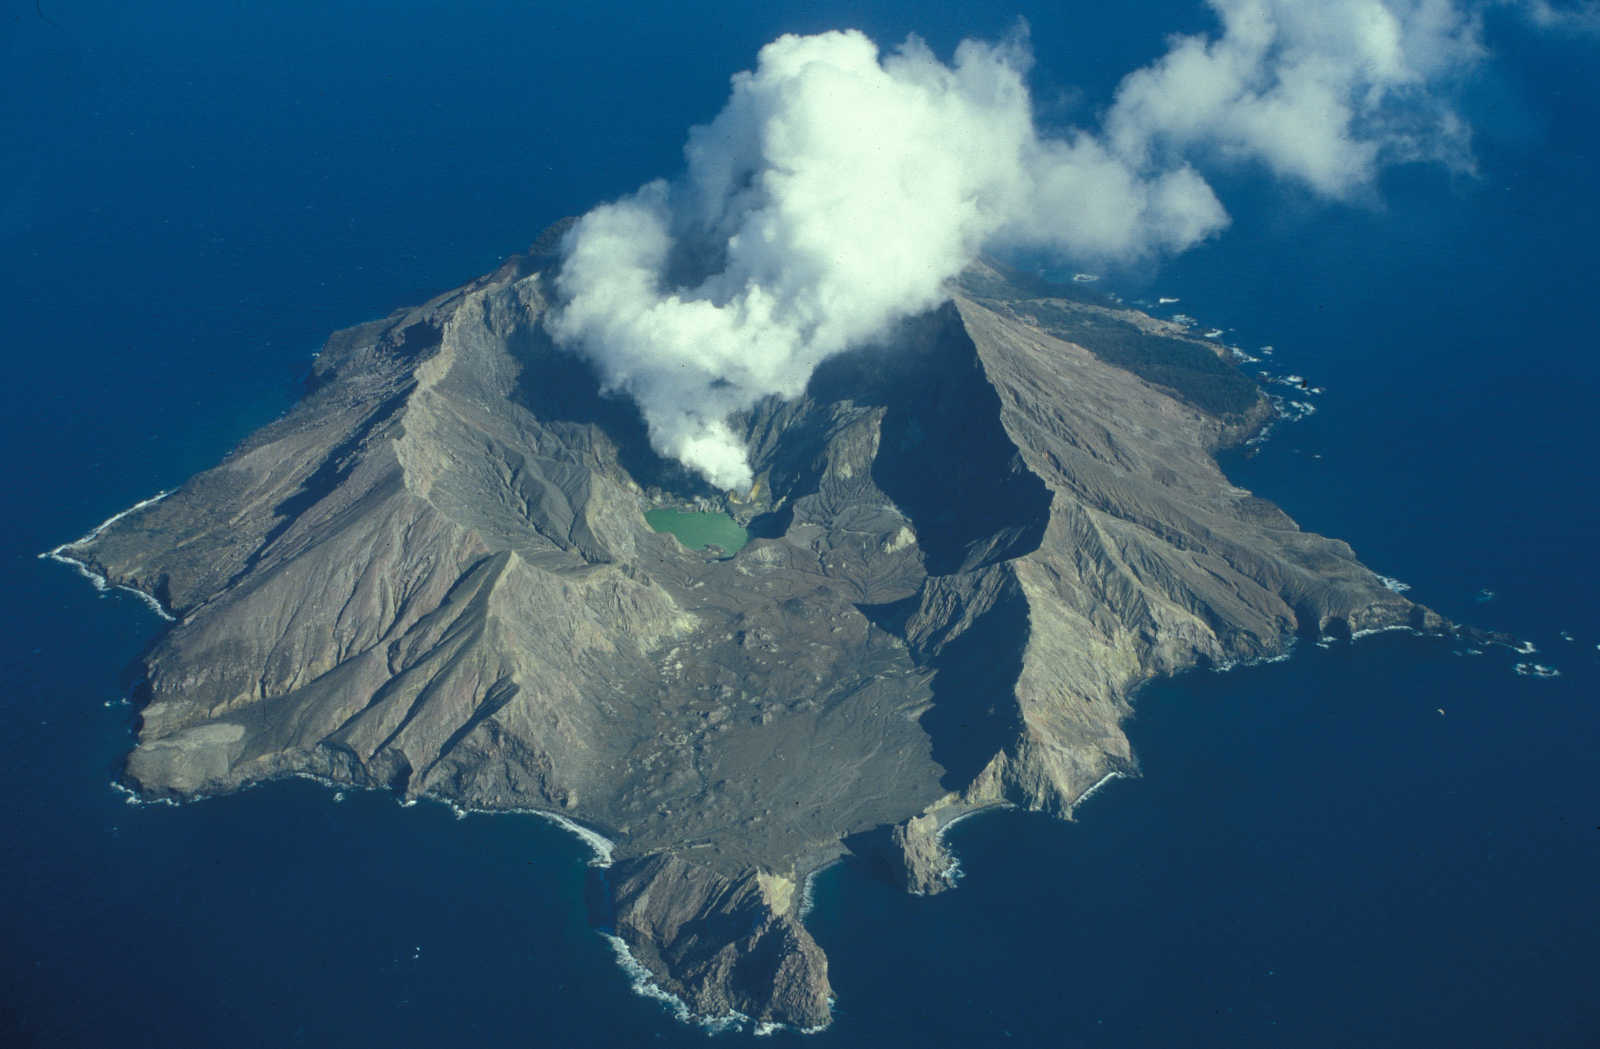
{"points": [[699, 530]]}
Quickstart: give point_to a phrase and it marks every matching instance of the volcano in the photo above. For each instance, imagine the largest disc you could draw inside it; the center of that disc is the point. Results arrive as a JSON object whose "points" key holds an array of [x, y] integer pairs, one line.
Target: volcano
{"points": [[970, 544]]}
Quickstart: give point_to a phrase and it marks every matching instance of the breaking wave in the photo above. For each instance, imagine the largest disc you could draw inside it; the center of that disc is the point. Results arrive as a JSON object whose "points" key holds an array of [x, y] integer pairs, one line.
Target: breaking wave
{"points": [[98, 580], [1092, 791], [644, 985]]}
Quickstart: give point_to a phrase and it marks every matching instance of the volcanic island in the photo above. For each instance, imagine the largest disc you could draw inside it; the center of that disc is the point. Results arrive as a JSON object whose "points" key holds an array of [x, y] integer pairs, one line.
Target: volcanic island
{"points": [[964, 550]]}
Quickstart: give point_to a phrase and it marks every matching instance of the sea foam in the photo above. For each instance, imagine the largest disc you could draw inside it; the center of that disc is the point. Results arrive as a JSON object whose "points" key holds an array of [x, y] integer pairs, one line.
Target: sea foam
{"points": [[99, 581], [1092, 791], [601, 846], [643, 982]]}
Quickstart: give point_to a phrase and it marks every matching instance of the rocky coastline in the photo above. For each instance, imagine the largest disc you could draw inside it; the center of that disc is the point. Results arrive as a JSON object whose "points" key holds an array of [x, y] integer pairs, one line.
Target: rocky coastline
{"points": [[971, 545]]}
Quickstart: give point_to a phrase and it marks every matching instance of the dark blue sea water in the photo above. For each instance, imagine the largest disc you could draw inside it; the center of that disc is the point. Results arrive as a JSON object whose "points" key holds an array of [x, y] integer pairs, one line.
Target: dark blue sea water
{"points": [[192, 195]]}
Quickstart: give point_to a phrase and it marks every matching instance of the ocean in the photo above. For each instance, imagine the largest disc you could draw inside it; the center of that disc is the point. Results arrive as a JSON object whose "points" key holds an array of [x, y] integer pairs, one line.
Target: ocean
{"points": [[1392, 842]]}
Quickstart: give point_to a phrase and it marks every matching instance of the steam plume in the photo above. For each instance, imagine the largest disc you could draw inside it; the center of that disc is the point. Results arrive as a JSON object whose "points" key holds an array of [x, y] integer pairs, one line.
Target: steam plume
{"points": [[839, 190]]}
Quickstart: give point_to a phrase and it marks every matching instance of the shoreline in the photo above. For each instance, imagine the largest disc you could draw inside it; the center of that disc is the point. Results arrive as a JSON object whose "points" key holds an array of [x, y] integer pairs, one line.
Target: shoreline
{"points": [[643, 984], [1114, 774], [642, 981], [101, 582]]}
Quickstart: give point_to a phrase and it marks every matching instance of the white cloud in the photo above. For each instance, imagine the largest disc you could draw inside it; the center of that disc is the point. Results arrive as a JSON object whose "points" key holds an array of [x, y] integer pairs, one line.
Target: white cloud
{"points": [[1582, 16], [839, 190], [1321, 92]]}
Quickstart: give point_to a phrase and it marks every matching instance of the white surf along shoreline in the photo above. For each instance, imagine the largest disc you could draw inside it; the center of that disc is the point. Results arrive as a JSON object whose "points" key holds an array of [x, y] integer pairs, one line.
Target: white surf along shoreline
{"points": [[600, 847], [642, 980], [97, 579]]}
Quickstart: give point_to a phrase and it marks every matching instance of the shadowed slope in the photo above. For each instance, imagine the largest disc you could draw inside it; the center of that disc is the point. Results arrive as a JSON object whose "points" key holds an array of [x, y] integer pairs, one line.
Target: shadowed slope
{"points": [[970, 545]]}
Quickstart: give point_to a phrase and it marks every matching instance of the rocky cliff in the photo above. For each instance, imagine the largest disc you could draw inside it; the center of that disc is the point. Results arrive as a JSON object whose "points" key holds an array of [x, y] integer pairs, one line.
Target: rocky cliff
{"points": [[972, 544]]}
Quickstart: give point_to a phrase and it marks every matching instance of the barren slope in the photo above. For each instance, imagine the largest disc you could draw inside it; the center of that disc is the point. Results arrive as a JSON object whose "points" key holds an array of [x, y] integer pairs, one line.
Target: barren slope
{"points": [[973, 543]]}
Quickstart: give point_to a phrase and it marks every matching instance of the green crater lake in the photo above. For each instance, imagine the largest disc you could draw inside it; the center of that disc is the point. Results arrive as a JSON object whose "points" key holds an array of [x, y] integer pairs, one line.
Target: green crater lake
{"points": [[699, 530]]}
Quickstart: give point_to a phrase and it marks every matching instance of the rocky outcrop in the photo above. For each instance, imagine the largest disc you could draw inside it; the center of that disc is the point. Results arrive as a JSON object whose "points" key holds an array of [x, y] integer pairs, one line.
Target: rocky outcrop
{"points": [[726, 946], [925, 865], [972, 544]]}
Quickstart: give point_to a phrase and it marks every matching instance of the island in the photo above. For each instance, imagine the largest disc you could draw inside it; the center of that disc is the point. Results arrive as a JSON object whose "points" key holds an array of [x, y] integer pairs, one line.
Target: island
{"points": [[964, 550]]}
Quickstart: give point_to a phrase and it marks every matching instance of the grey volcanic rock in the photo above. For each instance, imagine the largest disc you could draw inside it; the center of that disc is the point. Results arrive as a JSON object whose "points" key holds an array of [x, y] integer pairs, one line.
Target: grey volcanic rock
{"points": [[973, 543], [725, 945], [925, 865]]}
